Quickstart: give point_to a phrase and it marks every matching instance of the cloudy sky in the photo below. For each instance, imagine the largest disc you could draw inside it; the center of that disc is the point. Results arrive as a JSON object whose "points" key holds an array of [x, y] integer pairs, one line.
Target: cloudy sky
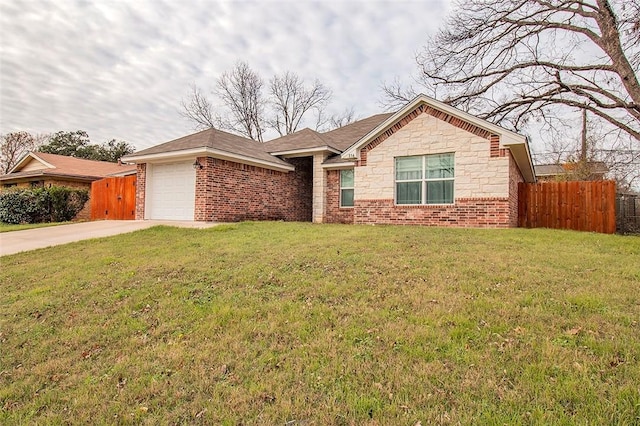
{"points": [[120, 68]]}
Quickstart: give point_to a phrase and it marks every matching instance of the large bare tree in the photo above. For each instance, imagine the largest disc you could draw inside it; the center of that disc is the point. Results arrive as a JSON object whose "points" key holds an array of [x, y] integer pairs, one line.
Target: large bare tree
{"points": [[246, 110], [509, 61], [241, 92], [291, 100], [14, 145]]}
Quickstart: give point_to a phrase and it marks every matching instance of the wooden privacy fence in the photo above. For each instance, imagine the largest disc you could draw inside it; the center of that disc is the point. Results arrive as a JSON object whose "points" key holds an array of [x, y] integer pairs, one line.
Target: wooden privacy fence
{"points": [[114, 198], [581, 206]]}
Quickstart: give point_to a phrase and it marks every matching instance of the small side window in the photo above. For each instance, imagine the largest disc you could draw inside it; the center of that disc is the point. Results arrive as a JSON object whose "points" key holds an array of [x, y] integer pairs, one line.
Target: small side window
{"points": [[346, 188]]}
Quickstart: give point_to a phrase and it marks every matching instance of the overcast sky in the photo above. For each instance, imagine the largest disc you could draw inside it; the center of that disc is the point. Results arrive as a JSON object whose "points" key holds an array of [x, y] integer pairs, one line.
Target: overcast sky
{"points": [[119, 69]]}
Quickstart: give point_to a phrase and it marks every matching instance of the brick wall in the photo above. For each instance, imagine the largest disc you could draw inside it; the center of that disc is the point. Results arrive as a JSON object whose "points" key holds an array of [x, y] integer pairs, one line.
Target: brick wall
{"points": [[141, 183], [465, 213], [333, 212], [229, 192], [204, 188], [494, 147]]}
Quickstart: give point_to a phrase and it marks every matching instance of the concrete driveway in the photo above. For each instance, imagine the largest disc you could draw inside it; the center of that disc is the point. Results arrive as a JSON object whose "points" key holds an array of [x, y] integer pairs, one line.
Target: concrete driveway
{"points": [[31, 239]]}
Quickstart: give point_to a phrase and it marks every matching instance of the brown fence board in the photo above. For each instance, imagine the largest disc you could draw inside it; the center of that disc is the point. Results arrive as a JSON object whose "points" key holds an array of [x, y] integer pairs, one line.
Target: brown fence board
{"points": [[581, 206], [114, 198]]}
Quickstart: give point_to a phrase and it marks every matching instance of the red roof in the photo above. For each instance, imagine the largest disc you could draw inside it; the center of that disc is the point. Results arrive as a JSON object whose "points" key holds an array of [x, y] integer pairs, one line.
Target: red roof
{"points": [[63, 166]]}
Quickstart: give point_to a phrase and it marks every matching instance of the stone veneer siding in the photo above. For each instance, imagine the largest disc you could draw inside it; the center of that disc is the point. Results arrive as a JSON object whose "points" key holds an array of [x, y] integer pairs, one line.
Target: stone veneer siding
{"points": [[333, 212], [515, 177], [141, 185], [319, 188], [229, 192], [486, 176]]}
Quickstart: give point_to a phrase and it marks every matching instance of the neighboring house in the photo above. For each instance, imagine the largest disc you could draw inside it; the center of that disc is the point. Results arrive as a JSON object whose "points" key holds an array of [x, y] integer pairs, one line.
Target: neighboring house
{"points": [[39, 169], [427, 163], [591, 170]]}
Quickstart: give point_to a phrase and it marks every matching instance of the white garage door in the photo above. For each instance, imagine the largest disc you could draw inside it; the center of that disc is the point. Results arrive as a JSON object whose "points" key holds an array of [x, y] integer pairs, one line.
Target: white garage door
{"points": [[171, 191]]}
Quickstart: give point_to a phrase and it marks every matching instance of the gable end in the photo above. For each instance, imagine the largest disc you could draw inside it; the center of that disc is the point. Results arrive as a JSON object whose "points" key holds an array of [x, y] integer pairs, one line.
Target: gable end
{"points": [[420, 109]]}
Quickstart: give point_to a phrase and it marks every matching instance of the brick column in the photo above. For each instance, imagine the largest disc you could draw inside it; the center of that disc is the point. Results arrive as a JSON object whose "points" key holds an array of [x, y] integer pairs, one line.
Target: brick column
{"points": [[141, 185], [203, 204]]}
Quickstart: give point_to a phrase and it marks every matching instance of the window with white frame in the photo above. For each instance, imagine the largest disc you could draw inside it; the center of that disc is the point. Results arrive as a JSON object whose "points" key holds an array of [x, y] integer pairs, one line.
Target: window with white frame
{"points": [[346, 188], [425, 179]]}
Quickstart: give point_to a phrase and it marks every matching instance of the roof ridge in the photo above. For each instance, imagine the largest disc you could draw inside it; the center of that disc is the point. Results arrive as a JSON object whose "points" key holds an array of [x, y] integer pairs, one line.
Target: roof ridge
{"points": [[235, 135], [353, 123], [336, 139], [319, 135], [37, 154]]}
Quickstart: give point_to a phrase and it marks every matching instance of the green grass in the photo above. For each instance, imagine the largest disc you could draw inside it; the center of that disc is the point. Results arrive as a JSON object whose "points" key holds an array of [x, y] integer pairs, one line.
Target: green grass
{"points": [[270, 323], [9, 227]]}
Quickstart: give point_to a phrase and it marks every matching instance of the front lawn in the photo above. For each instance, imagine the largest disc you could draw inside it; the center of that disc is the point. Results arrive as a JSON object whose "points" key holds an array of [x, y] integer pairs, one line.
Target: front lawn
{"points": [[9, 227], [301, 324]]}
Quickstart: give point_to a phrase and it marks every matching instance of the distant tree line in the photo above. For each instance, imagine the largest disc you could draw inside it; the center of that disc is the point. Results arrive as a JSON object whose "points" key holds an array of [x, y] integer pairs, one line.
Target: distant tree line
{"points": [[14, 145]]}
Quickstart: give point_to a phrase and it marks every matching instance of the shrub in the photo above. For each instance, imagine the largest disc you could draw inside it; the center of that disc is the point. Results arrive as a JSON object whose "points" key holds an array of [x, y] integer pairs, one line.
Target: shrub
{"points": [[23, 206], [66, 202], [37, 205]]}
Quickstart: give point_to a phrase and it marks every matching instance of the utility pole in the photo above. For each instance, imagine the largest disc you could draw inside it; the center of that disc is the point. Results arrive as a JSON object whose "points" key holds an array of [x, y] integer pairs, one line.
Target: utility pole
{"points": [[583, 153]]}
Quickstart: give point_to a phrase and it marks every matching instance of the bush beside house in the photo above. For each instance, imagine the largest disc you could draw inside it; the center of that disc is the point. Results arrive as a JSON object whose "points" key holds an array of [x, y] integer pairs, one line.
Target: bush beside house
{"points": [[43, 170], [39, 205]]}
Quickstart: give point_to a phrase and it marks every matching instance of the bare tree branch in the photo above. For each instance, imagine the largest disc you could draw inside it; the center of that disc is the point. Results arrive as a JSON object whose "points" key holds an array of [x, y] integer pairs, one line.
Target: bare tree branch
{"points": [[15, 145], [246, 110], [291, 100], [342, 119], [396, 95], [512, 60], [241, 91], [198, 110]]}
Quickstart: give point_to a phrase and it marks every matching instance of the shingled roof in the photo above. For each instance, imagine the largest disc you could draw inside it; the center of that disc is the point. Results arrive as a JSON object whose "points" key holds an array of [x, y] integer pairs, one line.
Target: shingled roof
{"points": [[302, 139], [64, 166], [338, 139], [229, 144], [344, 137], [214, 139]]}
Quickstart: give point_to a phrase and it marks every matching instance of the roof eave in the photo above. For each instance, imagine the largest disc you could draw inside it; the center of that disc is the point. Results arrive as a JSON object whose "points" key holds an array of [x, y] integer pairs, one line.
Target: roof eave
{"points": [[123, 173], [206, 151], [11, 176], [305, 151], [522, 156], [47, 174], [337, 166]]}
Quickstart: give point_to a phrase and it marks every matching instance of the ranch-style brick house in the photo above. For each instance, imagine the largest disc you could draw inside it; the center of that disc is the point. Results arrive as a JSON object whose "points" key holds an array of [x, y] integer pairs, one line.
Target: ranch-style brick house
{"points": [[428, 163]]}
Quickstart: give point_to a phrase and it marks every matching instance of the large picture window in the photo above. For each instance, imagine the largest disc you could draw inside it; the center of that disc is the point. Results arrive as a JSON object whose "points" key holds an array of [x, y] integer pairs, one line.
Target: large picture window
{"points": [[346, 188], [425, 179]]}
